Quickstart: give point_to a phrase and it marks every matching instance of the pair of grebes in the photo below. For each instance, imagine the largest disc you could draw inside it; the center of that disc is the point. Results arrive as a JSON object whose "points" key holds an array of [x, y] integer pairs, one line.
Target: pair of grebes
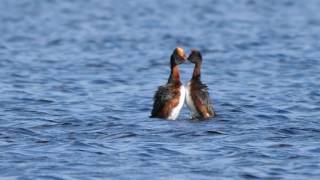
{"points": [[169, 99]]}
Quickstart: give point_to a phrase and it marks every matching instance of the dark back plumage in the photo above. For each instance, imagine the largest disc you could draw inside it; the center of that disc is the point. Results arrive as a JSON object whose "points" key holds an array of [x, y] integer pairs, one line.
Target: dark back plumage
{"points": [[161, 97], [201, 97]]}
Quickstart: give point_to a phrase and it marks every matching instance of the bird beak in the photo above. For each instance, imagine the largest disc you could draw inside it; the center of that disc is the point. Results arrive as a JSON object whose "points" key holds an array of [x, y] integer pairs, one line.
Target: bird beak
{"points": [[183, 58]]}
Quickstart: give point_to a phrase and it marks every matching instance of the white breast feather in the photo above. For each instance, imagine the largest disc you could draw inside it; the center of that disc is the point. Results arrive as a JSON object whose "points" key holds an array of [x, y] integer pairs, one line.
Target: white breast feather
{"points": [[176, 111], [190, 103]]}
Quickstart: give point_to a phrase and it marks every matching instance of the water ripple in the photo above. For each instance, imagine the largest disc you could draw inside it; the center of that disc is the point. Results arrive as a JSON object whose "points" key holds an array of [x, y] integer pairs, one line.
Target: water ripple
{"points": [[77, 80]]}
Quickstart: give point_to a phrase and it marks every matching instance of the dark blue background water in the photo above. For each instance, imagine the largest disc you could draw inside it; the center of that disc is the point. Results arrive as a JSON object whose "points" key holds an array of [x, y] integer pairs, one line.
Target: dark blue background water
{"points": [[77, 80]]}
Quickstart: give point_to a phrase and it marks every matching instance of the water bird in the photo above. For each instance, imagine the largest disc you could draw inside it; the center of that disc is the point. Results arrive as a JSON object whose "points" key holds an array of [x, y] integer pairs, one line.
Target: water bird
{"points": [[169, 98], [197, 95]]}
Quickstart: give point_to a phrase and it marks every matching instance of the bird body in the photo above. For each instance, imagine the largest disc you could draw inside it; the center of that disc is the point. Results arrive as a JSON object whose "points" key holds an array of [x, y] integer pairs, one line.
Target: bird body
{"points": [[197, 95], [169, 99]]}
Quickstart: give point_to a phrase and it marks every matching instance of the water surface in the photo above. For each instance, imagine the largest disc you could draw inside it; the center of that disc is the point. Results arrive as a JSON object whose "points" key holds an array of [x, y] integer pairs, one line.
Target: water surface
{"points": [[77, 80]]}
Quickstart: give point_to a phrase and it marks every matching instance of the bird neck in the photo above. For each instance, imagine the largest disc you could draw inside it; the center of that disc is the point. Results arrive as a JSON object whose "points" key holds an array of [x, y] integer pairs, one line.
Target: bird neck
{"points": [[196, 72], [174, 77]]}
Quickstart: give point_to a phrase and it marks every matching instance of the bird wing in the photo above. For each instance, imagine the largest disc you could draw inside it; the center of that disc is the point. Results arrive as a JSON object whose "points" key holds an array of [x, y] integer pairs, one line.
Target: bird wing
{"points": [[162, 95], [201, 95]]}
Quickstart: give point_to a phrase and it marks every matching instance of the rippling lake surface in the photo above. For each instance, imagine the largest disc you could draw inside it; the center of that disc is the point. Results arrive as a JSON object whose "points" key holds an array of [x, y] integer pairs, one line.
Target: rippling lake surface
{"points": [[77, 80]]}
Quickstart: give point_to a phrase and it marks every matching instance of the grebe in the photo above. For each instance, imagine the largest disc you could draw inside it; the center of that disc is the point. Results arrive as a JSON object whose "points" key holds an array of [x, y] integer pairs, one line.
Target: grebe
{"points": [[169, 99], [197, 95]]}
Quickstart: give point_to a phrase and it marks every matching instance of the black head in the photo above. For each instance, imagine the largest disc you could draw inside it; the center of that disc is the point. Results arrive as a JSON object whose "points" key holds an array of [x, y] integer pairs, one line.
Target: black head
{"points": [[195, 56], [178, 56]]}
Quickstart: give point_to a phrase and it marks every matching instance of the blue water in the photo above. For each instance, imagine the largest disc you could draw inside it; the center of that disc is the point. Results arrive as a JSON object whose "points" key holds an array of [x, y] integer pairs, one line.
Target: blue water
{"points": [[77, 80]]}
